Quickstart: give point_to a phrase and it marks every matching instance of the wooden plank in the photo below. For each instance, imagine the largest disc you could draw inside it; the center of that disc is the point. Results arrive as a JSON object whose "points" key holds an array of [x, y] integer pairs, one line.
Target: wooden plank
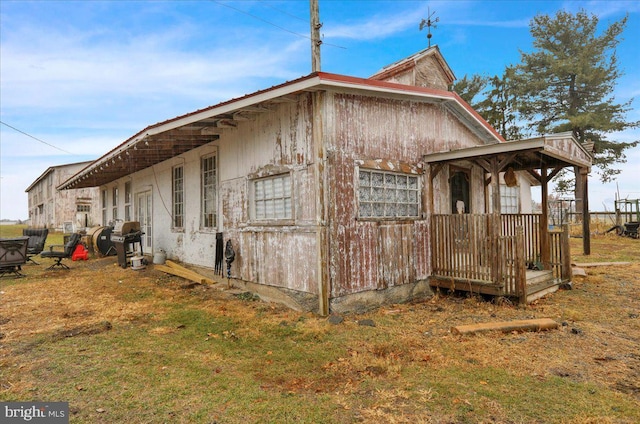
{"points": [[507, 326], [183, 272], [594, 264]]}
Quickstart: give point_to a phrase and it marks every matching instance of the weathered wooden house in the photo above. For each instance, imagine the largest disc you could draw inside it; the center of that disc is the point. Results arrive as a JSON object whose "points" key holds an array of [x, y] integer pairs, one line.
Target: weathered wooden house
{"points": [[67, 210], [337, 191]]}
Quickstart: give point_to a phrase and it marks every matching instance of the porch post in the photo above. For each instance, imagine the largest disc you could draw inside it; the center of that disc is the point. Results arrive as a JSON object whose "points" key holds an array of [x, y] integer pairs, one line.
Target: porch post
{"points": [[565, 254], [545, 245], [520, 268], [586, 218], [495, 220]]}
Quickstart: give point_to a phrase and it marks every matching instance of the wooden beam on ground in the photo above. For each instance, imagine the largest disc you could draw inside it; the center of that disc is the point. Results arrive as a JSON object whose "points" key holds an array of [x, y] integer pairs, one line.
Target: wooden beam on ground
{"points": [[594, 264], [180, 271], [507, 326]]}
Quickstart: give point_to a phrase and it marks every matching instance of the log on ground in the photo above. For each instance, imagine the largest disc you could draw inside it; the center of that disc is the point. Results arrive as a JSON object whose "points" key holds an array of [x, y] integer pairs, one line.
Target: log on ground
{"points": [[507, 326]]}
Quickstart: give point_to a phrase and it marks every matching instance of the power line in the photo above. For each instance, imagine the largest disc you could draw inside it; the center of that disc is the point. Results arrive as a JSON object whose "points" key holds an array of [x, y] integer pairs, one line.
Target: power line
{"points": [[271, 23], [35, 138], [264, 3]]}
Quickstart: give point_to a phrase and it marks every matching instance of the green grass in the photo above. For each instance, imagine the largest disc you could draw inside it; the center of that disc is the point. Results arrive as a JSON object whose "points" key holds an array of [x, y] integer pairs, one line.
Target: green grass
{"points": [[193, 356]]}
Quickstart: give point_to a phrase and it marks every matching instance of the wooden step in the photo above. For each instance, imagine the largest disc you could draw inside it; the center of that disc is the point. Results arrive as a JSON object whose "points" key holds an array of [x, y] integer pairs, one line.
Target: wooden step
{"points": [[539, 284], [537, 277]]}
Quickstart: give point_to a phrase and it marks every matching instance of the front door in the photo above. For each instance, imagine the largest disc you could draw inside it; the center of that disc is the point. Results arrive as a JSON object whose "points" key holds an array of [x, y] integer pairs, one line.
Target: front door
{"points": [[460, 195], [144, 213]]}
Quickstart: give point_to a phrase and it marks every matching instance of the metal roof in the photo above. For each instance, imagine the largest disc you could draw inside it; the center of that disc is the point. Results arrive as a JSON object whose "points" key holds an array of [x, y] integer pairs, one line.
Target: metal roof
{"points": [[164, 140]]}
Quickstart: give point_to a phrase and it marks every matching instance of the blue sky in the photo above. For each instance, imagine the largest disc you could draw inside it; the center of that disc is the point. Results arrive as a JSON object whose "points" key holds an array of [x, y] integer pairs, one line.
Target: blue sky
{"points": [[85, 75]]}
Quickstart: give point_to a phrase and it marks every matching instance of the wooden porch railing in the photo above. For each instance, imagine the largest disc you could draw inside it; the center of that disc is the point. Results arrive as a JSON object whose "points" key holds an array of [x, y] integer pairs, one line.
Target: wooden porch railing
{"points": [[464, 248]]}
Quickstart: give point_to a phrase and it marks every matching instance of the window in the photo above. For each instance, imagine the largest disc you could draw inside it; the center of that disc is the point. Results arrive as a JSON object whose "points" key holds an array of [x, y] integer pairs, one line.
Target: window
{"points": [[177, 196], [272, 197], [127, 201], [83, 208], [103, 196], [209, 193], [388, 195], [509, 199], [114, 203]]}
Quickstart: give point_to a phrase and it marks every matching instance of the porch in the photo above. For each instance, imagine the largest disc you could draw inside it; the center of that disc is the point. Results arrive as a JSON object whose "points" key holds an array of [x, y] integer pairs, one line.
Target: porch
{"points": [[498, 255]]}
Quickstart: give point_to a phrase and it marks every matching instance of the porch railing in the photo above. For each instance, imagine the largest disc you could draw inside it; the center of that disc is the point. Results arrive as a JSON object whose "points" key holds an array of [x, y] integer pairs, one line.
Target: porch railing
{"points": [[463, 247]]}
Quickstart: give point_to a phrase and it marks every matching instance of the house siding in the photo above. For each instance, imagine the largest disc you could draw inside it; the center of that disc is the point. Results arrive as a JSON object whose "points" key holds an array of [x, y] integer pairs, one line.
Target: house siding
{"points": [[51, 208], [276, 254], [395, 134]]}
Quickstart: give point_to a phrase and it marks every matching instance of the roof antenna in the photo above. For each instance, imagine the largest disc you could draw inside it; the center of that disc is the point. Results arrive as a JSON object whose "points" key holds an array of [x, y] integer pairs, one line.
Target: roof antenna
{"points": [[429, 22]]}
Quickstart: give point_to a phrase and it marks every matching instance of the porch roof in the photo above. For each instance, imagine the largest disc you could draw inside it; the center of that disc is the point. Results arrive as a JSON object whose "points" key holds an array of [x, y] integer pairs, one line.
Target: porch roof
{"points": [[548, 151]]}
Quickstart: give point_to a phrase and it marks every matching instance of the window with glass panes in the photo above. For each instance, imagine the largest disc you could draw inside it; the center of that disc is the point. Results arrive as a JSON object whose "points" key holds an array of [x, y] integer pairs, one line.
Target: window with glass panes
{"points": [[178, 197], [114, 203], [272, 198], [383, 194], [209, 193], [103, 195], [127, 201], [509, 199]]}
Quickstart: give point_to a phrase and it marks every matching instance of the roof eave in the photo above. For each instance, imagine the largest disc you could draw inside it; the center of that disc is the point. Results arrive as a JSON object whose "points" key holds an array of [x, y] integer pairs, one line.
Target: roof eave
{"points": [[312, 82]]}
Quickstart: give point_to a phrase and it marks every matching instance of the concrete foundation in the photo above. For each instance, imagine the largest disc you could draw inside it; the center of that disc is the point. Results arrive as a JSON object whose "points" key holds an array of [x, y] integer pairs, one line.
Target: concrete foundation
{"points": [[364, 301]]}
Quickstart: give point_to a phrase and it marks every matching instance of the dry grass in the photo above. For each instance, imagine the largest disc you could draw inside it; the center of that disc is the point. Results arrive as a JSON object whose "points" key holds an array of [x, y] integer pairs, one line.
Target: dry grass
{"points": [[200, 355]]}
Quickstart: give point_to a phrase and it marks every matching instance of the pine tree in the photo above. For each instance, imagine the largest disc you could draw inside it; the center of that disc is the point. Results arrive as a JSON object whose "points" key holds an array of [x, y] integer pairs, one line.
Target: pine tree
{"points": [[499, 106], [567, 83], [470, 87]]}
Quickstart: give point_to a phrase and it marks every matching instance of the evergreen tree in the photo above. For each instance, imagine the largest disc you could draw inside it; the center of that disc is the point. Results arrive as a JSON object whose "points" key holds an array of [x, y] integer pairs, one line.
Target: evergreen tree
{"points": [[499, 106], [470, 87], [567, 83], [496, 103]]}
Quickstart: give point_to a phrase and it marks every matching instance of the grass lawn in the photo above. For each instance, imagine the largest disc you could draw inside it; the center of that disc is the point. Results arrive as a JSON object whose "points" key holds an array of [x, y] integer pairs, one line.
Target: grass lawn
{"points": [[125, 346]]}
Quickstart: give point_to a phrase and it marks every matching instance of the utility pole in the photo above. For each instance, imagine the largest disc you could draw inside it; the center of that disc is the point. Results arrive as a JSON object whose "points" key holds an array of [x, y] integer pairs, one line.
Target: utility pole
{"points": [[315, 36]]}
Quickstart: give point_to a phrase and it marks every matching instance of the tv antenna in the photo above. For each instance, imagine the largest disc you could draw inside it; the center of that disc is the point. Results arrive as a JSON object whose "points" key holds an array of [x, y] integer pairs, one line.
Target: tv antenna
{"points": [[429, 23]]}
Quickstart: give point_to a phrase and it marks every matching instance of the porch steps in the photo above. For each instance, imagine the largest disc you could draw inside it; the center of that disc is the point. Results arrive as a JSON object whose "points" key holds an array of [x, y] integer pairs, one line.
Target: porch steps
{"points": [[539, 284]]}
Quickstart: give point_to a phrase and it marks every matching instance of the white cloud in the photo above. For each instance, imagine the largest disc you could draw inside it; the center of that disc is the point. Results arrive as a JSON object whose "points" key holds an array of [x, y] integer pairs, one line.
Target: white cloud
{"points": [[77, 74]]}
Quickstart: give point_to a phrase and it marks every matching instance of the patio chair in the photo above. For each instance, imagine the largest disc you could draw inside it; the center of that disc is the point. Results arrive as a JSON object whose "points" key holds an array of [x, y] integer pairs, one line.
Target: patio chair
{"points": [[60, 252], [13, 254], [37, 239]]}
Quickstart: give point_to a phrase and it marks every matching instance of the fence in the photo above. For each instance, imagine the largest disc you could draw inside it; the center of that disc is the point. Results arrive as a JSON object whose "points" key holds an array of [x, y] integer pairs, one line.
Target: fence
{"points": [[464, 247]]}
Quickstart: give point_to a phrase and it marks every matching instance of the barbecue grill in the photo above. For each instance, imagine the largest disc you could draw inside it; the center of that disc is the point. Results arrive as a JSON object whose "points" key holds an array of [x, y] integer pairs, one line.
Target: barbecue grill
{"points": [[127, 239]]}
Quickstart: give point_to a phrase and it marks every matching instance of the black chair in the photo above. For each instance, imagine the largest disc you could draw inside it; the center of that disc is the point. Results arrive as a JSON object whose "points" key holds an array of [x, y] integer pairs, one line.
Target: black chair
{"points": [[13, 254], [58, 255], [37, 239]]}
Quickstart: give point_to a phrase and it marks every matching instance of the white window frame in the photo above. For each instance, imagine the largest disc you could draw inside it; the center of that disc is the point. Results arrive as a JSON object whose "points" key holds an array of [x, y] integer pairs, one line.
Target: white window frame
{"points": [[272, 198], [177, 197], [509, 199], [128, 196], [387, 195], [114, 203], [209, 192], [103, 196]]}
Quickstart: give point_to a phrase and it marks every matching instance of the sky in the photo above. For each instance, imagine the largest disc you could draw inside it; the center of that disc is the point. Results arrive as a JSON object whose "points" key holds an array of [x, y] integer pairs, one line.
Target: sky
{"points": [[77, 78]]}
